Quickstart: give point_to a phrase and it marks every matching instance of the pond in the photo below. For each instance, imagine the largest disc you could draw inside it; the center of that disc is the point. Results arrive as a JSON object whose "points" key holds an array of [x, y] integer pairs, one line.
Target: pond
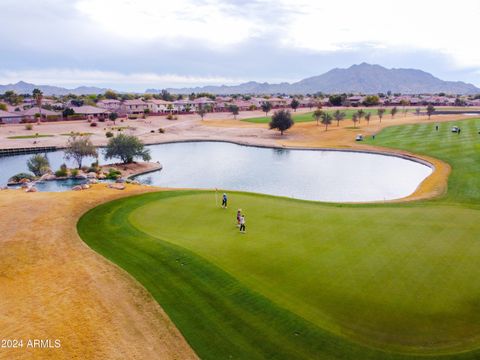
{"points": [[336, 176]]}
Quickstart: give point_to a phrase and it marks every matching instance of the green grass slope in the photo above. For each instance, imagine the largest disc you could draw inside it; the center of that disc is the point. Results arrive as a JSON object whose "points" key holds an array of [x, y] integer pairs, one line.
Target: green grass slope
{"points": [[311, 280]]}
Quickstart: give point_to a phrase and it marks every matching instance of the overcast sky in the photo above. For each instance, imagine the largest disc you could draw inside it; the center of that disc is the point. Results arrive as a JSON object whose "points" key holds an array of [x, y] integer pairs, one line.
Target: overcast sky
{"points": [[139, 44]]}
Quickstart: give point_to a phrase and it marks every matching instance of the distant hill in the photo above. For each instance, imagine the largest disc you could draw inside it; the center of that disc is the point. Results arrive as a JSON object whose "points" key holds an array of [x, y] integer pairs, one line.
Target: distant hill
{"points": [[363, 78], [22, 87]]}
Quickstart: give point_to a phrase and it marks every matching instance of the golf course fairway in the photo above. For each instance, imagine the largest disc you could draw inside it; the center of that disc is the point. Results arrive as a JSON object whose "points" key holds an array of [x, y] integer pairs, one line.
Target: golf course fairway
{"points": [[312, 280]]}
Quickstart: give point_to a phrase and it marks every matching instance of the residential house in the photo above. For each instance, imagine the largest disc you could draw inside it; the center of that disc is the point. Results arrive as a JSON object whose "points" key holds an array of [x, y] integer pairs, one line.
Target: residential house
{"points": [[137, 106], [112, 105], [91, 112], [10, 118], [31, 114], [158, 106]]}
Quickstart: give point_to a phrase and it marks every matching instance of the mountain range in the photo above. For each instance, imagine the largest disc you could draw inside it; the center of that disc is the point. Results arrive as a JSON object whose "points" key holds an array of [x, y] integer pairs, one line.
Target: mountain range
{"points": [[23, 87], [363, 78]]}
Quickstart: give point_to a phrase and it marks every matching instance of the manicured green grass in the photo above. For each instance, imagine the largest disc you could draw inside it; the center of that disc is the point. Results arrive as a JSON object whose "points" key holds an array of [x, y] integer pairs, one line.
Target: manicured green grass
{"points": [[311, 280], [461, 151], [306, 117], [30, 136]]}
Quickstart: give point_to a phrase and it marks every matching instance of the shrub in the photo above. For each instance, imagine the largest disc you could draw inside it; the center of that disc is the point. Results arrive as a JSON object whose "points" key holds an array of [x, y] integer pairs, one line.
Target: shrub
{"points": [[38, 164], [74, 172], [28, 127], [161, 131], [62, 172], [109, 134], [20, 176], [93, 124], [113, 174], [152, 131]]}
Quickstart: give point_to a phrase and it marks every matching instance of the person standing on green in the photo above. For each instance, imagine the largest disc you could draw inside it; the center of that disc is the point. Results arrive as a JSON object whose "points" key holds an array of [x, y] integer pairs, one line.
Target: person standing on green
{"points": [[242, 223]]}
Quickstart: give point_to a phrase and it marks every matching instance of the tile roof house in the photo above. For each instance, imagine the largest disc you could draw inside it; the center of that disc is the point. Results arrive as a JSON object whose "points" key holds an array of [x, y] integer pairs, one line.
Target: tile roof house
{"points": [[110, 104], [90, 111], [137, 106], [10, 118], [29, 114], [158, 106]]}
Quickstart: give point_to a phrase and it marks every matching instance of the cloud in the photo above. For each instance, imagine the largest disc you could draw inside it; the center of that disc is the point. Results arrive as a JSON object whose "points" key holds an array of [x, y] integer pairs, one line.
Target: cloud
{"points": [[215, 23], [73, 77]]}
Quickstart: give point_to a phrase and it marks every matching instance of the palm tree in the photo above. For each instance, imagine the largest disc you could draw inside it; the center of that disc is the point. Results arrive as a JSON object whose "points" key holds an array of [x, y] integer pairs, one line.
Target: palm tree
{"points": [[326, 119], [380, 113], [38, 96], [317, 114], [355, 120], [339, 116]]}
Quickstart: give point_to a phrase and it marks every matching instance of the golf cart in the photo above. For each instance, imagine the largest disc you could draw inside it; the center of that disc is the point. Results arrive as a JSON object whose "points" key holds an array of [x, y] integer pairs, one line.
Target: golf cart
{"points": [[455, 129], [359, 137]]}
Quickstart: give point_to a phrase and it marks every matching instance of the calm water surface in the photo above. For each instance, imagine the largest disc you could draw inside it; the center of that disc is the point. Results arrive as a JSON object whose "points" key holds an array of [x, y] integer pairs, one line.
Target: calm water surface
{"points": [[303, 174]]}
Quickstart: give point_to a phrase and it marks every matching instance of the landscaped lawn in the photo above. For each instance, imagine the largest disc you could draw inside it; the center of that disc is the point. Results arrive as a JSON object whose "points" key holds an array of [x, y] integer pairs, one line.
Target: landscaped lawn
{"points": [[305, 117], [34, 136], [311, 280]]}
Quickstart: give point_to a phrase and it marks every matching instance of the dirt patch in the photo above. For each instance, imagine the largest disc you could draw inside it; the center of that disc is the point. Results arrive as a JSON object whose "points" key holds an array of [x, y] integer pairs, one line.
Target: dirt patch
{"points": [[54, 287]]}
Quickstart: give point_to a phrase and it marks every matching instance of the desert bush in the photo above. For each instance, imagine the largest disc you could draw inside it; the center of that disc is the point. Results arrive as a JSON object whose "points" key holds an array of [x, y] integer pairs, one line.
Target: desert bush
{"points": [[161, 131], [113, 174], [20, 176], [28, 126], [74, 172], [109, 134], [93, 124], [62, 172]]}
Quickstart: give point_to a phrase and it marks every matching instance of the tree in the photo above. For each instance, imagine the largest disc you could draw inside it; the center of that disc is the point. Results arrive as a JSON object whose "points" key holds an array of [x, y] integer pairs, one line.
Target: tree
{"points": [[79, 147], [68, 112], [317, 115], [355, 120], [266, 107], [234, 110], [202, 111], [371, 100], [110, 94], [430, 110], [113, 116], [360, 114], [380, 113], [367, 117], [38, 96], [336, 100], [294, 104], [339, 116], [417, 111], [281, 120], [326, 119], [404, 103], [393, 111], [126, 148], [3, 107], [188, 107], [38, 164]]}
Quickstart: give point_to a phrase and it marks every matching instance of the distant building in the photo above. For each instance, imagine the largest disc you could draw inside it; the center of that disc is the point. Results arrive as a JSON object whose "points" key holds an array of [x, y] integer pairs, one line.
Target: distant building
{"points": [[136, 106], [10, 118], [110, 104], [91, 112], [158, 106]]}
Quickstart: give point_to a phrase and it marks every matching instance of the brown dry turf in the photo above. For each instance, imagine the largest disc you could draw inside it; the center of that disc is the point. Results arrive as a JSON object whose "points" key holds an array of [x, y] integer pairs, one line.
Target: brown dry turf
{"points": [[54, 287]]}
